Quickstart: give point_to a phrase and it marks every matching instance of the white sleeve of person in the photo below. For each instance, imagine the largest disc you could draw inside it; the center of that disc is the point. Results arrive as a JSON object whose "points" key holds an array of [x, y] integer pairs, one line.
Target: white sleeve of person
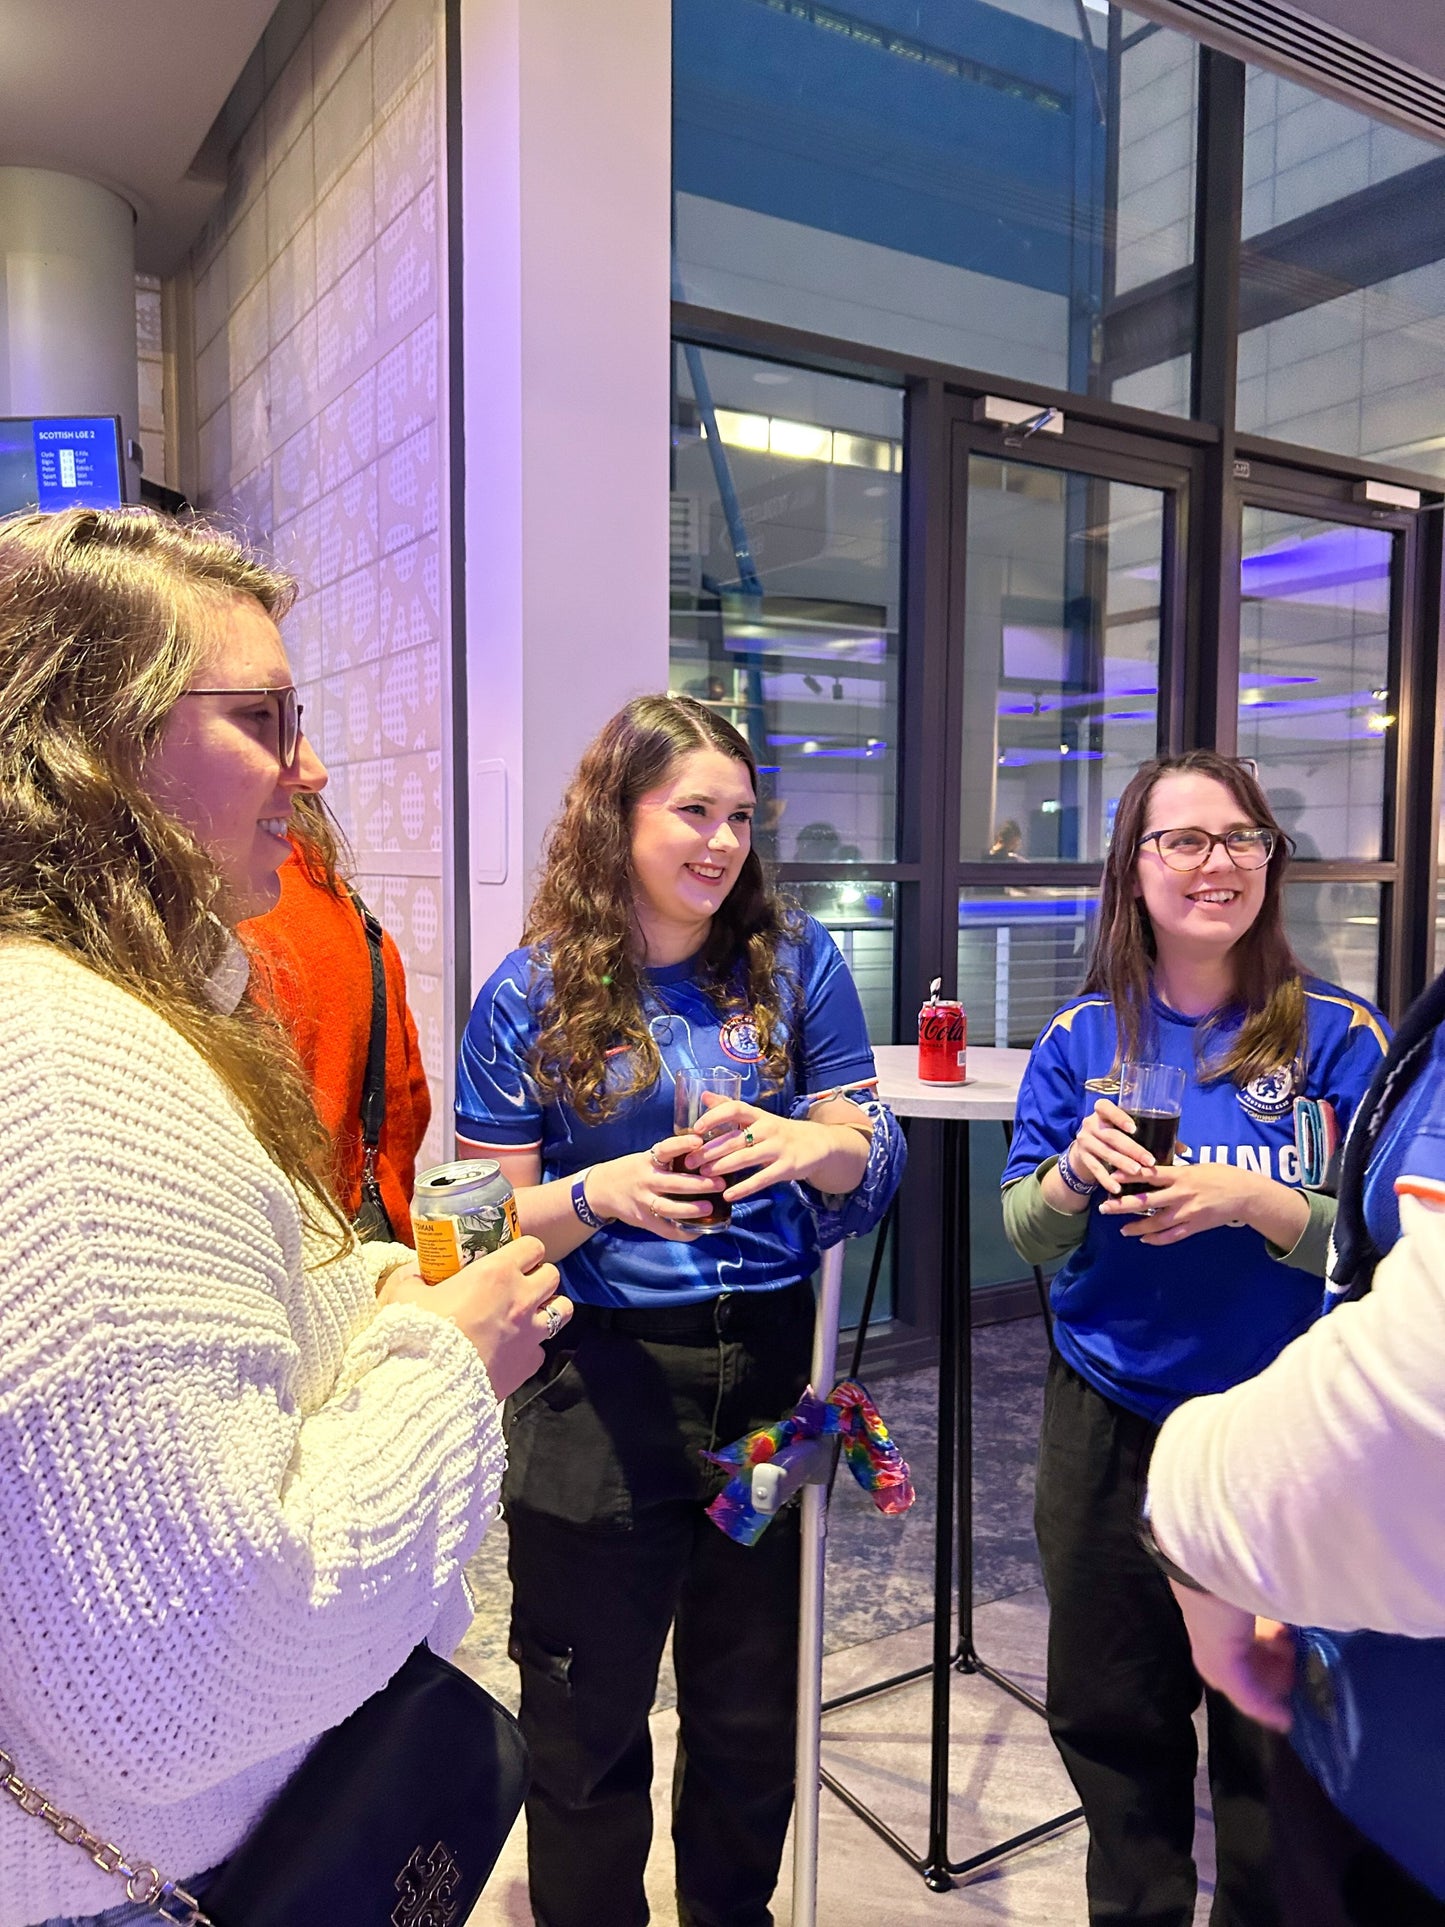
{"points": [[233, 1493], [1311, 1493]]}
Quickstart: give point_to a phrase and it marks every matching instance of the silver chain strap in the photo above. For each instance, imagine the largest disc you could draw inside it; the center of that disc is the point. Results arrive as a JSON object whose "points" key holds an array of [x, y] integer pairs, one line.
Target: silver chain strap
{"points": [[143, 1884]]}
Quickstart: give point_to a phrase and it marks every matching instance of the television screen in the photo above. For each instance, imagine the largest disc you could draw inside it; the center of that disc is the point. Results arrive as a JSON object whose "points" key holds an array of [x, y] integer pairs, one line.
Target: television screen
{"points": [[60, 462]]}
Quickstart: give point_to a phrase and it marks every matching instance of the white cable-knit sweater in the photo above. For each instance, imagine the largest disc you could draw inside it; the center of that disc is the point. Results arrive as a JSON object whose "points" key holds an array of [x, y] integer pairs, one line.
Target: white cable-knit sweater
{"points": [[233, 1493]]}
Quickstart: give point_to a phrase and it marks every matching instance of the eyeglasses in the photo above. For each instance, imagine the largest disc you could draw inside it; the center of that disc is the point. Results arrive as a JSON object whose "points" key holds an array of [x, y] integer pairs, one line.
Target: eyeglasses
{"points": [[288, 717], [1247, 849]]}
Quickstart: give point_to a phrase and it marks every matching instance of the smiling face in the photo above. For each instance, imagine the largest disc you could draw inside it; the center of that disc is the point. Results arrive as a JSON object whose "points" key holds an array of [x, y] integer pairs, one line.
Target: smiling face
{"points": [[218, 770], [690, 838], [1202, 912]]}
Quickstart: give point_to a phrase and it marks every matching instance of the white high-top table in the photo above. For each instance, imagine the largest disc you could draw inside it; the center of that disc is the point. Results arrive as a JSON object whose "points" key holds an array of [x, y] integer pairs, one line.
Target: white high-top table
{"points": [[989, 1095]]}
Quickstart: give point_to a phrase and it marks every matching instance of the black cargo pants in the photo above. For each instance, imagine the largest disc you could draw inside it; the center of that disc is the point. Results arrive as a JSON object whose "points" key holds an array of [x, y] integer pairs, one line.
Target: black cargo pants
{"points": [[609, 1548]]}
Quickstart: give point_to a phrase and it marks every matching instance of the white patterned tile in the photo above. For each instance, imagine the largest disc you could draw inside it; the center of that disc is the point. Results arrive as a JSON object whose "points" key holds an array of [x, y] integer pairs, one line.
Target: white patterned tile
{"points": [[349, 617], [251, 504], [293, 378], [250, 422], [297, 548], [213, 376], [406, 384], [345, 222], [246, 169], [148, 339], [410, 493], [211, 305], [403, 42], [343, 121], [406, 263], [409, 596], [406, 150], [427, 997], [397, 805], [290, 193], [348, 527], [297, 472], [410, 909], [348, 431], [292, 282], [246, 254], [341, 28], [346, 324], [151, 399], [248, 333], [301, 632], [289, 104], [409, 700], [213, 455]]}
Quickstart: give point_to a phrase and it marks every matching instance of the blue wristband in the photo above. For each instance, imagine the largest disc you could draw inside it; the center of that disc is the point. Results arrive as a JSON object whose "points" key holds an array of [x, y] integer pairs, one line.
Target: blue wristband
{"points": [[1079, 1186], [580, 1205]]}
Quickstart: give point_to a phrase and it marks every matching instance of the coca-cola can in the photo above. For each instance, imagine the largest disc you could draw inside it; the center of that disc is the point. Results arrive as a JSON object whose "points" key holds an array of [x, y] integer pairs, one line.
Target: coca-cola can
{"points": [[942, 1043]]}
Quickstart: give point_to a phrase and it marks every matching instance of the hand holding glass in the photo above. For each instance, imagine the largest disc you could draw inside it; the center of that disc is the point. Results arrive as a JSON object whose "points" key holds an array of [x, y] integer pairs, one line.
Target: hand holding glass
{"points": [[1153, 1095], [689, 1111]]}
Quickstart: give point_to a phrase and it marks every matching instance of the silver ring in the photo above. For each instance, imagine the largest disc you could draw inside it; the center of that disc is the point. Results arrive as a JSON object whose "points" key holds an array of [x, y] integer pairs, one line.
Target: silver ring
{"points": [[1151, 1211], [657, 1163], [661, 1216], [553, 1317], [748, 1139]]}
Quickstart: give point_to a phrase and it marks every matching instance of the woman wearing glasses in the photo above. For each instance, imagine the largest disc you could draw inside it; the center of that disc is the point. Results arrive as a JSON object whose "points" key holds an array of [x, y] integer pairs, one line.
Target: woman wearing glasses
{"points": [[235, 1492], [1187, 1286]]}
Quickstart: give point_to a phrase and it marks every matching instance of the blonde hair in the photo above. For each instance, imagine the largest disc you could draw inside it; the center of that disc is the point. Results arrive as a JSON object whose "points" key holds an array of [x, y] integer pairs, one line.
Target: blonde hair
{"points": [[105, 616]]}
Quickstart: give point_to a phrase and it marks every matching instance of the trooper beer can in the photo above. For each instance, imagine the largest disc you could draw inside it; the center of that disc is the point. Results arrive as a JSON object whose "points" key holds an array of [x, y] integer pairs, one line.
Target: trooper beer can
{"points": [[461, 1211], [942, 1042]]}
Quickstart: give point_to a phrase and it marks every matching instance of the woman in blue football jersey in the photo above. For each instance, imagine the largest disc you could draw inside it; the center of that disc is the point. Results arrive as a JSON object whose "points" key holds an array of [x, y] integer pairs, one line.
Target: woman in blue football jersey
{"points": [[1186, 1287], [655, 944]]}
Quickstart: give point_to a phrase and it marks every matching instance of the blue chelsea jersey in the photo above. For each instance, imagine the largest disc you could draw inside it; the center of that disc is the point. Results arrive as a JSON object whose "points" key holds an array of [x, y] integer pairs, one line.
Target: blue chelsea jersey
{"points": [[771, 1241], [1150, 1327]]}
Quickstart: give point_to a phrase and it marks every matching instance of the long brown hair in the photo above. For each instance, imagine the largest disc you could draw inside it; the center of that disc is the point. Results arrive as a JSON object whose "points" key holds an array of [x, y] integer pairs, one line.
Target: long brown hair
{"points": [[1268, 975], [105, 616], [582, 916]]}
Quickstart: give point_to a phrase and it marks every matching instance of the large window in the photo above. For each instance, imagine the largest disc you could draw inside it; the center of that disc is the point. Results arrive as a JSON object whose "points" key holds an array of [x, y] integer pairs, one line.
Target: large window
{"points": [[976, 184], [1342, 280], [787, 492]]}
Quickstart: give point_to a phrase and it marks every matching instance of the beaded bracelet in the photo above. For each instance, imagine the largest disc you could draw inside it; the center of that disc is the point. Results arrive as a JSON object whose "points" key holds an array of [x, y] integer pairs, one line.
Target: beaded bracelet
{"points": [[1081, 1188]]}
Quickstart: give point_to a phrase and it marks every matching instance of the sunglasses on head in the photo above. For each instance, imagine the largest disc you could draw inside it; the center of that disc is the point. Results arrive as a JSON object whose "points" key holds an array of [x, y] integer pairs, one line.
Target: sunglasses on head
{"points": [[288, 717]]}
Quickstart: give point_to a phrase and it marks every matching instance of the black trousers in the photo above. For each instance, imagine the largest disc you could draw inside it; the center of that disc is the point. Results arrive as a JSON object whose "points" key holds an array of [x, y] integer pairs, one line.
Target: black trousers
{"points": [[1122, 1689], [609, 1549]]}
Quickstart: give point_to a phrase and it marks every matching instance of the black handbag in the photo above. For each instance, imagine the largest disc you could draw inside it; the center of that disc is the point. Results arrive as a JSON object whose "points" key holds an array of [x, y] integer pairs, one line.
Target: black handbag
{"points": [[395, 1818]]}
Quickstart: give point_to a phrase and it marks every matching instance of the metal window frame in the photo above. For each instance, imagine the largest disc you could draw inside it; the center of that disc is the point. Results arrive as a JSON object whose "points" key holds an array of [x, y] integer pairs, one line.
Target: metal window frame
{"points": [[1211, 472]]}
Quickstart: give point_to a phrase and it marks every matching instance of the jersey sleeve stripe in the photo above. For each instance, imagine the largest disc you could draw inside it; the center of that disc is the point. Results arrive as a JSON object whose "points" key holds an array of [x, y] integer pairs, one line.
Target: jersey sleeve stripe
{"points": [[1426, 1190], [1360, 1018], [1064, 1020], [478, 1144]]}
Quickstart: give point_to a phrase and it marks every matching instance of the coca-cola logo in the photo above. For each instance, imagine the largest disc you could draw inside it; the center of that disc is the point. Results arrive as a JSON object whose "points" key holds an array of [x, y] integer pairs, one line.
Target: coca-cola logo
{"points": [[940, 1024]]}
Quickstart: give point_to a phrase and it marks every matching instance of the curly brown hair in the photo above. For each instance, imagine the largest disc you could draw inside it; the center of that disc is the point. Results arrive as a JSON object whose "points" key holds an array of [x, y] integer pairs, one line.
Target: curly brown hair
{"points": [[1269, 977], [582, 918], [105, 616]]}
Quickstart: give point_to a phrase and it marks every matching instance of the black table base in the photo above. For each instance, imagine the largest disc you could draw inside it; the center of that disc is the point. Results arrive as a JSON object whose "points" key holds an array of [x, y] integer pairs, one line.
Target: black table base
{"points": [[952, 1652]]}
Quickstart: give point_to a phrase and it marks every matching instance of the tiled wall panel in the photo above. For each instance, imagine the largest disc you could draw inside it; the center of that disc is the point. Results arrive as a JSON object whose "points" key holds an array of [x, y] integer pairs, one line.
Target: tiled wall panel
{"points": [[317, 382]]}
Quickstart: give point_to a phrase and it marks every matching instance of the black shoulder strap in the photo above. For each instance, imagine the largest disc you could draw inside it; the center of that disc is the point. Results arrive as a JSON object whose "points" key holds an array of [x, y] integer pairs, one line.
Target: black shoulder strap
{"points": [[373, 1085]]}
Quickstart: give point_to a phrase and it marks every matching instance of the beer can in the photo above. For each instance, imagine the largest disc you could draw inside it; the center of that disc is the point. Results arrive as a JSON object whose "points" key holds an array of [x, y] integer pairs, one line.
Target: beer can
{"points": [[461, 1211], [942, 1043]]}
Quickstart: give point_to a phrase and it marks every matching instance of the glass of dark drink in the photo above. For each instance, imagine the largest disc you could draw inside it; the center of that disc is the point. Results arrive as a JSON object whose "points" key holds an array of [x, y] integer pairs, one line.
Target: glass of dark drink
{"points": [[1152, 1094], [689, 1113]]}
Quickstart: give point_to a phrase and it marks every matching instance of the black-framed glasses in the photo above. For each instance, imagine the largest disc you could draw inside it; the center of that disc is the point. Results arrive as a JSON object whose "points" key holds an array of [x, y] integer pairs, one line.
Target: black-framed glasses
{"points": [[1191, 849], [288, 717]]}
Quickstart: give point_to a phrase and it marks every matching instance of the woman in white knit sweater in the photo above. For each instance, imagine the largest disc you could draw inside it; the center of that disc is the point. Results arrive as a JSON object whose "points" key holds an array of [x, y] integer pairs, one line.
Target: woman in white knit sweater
{"points": [[238, 1482]]}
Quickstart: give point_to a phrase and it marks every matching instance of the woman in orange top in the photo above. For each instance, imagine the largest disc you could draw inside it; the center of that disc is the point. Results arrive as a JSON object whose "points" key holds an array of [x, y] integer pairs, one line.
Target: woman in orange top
{"points": [[312, 967]]}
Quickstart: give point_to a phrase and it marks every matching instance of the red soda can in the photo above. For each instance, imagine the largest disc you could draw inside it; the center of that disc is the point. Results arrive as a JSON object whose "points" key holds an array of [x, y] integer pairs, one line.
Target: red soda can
{"points": [[942, 1043]]}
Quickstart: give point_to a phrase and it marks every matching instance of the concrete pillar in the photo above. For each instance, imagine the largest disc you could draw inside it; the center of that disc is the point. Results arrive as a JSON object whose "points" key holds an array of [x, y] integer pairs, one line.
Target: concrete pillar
{"points": [[565, 239], [67, 300]]}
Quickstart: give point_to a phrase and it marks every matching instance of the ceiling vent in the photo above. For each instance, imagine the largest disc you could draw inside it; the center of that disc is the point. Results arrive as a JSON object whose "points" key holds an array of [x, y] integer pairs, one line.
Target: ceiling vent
{"points": [[1307, 49]]}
